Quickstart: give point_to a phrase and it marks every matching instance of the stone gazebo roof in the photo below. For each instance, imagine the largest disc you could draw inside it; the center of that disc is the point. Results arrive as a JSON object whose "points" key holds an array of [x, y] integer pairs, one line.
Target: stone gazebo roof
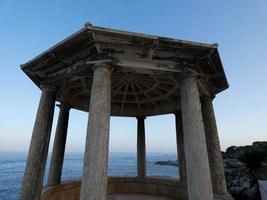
{"points": [[146, 69]]}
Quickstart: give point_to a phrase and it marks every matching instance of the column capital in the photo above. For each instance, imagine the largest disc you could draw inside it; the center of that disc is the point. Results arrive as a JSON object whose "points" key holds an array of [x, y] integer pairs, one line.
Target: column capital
{"points": [[140, 117], [177, 112], [101, 65], [207, 98], [47, 87], [189, 74], [63, 106]]}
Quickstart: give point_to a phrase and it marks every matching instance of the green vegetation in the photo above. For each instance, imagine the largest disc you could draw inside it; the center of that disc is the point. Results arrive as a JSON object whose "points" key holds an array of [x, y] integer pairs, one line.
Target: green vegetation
{"points": [[254, 157]]}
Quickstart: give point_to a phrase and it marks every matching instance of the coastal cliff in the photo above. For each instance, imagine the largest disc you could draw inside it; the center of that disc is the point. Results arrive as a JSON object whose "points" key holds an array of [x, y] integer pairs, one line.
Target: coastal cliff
{"points": [[244, 166]]}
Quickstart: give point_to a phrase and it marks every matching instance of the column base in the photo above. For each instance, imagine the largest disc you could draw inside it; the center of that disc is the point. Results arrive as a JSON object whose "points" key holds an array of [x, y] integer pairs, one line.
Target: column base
{"points": [[223, 197]]}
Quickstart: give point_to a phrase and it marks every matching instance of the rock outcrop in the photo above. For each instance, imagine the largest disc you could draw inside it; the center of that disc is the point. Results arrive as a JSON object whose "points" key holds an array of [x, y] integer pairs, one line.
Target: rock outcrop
{"points": [[168, 162], [244, 166]]}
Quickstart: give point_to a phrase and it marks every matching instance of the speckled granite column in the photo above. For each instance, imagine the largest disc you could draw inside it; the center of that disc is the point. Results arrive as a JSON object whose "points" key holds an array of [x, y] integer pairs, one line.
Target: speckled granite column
{"points": [[141, 147], [180, 145], [95, 175], [37, 156], [197, 164], [57, 157], [213, 145]]}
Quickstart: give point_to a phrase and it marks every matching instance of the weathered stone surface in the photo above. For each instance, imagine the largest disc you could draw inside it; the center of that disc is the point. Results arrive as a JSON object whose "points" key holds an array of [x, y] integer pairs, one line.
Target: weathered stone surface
{"points": [[197, 164], [180, 145], [57, 158], [141, 147], [153, 62], [213, 147], [123, 187], [94, 178], [37, 156]]}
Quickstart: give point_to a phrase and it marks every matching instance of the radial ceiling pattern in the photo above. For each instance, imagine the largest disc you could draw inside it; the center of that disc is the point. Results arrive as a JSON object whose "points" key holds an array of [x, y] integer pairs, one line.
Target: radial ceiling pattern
{"points": [[143, 91], [132, 94]]}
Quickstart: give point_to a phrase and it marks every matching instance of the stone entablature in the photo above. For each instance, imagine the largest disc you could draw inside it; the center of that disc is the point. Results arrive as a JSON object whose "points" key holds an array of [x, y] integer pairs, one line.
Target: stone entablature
{"points": [[146, 69]]}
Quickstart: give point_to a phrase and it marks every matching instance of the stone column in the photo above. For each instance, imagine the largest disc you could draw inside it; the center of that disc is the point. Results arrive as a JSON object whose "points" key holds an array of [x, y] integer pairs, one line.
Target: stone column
{"points": [[95, 175], [180, 145], [213, 145], [54, 177], [37, 156], [141, 147], [197, 165]]}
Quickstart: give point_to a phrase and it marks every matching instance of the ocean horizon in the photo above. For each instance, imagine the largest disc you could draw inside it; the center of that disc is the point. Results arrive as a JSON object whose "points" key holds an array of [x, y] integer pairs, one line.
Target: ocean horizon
{"points": [[12, 165]]}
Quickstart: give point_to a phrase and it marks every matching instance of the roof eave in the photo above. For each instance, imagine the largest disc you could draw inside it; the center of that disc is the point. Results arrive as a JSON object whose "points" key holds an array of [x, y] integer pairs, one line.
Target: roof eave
{"points": [[23, 66]]}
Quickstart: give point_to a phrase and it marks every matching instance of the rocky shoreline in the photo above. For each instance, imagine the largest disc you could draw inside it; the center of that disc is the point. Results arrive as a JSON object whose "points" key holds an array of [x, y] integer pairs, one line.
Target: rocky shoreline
{"points": [[167, 162], [244, 166]]}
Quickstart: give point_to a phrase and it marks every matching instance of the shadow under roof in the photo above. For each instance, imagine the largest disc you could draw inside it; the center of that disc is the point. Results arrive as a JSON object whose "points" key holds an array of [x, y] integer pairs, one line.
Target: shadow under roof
{"points": [[147, 69]]}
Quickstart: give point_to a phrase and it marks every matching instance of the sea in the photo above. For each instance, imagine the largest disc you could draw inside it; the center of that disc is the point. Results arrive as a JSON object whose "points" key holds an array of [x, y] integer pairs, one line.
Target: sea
{"points": [[12, 165]]}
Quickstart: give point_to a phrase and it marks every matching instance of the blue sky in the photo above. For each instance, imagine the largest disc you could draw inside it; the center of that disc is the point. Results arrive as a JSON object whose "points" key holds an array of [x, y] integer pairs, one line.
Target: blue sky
{"points": [[28, 28]]}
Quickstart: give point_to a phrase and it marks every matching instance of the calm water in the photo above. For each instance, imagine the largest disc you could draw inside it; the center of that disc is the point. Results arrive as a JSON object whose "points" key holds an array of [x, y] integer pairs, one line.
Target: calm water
{"points": [[120, 164]]}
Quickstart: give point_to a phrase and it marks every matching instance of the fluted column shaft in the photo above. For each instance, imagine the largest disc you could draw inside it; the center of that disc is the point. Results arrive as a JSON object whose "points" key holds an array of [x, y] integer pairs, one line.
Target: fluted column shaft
{"points": [[180, 145], [95, 174], [37, 156], [141, 147], [197, 165], [213, 145], [56, 164]]}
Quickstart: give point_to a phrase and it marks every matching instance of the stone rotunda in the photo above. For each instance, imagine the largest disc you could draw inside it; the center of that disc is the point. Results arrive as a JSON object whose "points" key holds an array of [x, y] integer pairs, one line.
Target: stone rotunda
{"points": [[109, 72]]}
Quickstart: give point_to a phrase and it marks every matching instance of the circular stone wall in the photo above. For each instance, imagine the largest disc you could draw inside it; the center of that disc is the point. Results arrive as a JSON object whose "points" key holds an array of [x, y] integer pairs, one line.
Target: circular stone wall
{"points": [[154, 187]]}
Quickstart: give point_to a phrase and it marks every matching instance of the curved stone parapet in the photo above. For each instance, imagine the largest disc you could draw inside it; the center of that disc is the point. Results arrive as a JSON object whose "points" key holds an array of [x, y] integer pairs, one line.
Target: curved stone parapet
{"points": [[157, 187]]}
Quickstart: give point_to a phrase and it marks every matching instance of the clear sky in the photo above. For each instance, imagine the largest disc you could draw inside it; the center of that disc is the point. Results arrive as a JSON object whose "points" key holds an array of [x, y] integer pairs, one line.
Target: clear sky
{"points": [[28, 28]]}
